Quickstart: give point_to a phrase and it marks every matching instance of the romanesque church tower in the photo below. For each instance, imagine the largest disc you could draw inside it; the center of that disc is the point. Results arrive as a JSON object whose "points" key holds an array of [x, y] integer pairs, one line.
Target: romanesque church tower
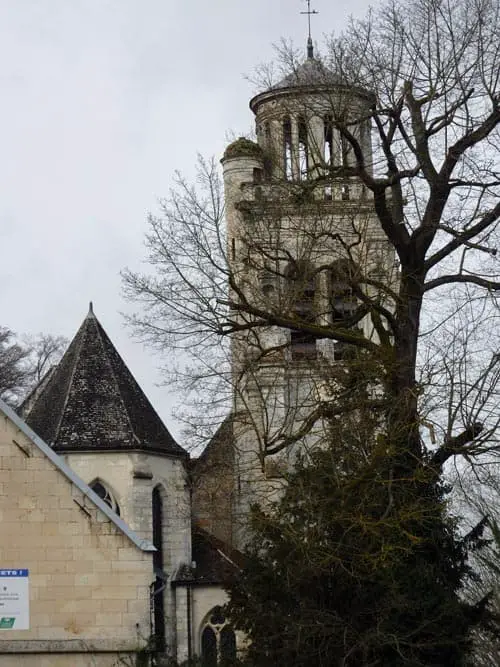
{"points": [[302, 232]]}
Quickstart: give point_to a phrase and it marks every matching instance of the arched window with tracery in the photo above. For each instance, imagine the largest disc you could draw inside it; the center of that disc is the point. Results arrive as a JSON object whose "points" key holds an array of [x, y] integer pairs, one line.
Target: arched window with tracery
{"points": [[104, 492], [218, 640], [301, 288]]}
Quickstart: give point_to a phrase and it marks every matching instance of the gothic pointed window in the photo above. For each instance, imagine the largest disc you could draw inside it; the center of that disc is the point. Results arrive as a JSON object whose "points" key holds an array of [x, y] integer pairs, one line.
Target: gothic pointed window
{"points": [[287, 148], [328, 151], [209, 647], [218, 640], [227, 645], [103, 491]]}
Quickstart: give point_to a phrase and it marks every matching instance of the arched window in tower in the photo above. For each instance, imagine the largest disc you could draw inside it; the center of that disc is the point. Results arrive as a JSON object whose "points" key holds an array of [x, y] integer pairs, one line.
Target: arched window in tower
{"points": [[269, 152], [287, 148], [328, 150], [343, 303], [303, 150], [301, 287], [159, 583], [105, 493], [218, 640], [328, 154], [267, 280], [346, 193]]}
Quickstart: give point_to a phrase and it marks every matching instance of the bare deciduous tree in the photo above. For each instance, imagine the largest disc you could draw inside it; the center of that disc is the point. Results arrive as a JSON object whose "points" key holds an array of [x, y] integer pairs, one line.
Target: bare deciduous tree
{"points": [[379, 268], [46, 351], [13, 357], [24, 362]]}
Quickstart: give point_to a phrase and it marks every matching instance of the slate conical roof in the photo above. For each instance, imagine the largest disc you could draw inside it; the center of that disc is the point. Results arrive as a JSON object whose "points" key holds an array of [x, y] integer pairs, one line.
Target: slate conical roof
{"points": [[91, 402], [311, 72], [311, 76]]}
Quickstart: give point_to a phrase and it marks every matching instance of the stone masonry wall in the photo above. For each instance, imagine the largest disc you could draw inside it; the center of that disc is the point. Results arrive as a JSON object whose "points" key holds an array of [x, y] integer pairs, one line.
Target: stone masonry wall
{"points": [[132, 476], [89, 583]]}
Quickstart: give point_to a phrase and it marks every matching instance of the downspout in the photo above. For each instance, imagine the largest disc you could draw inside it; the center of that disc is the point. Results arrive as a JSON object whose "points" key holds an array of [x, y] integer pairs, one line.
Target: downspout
{"points": [[189, 623], [188, 587]]}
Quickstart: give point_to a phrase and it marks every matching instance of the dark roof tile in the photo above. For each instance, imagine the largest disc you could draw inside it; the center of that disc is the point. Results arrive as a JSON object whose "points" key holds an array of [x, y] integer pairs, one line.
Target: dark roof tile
{"points": [[215, 562], [92, 402]]}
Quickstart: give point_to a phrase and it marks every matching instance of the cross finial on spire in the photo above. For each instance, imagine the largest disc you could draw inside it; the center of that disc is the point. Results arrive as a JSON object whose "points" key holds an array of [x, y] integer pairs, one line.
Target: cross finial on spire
{"points": [[309, 13]]}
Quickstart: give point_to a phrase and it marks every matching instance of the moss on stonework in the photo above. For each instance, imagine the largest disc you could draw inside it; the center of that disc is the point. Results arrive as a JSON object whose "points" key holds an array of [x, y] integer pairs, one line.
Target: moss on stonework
{"points": [[243, 147]]}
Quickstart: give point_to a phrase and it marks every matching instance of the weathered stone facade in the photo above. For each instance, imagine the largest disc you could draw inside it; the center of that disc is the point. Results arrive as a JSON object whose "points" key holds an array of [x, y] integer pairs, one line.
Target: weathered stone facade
{"points": [[298, 219], [213, 485], [88, 578], [96, 594], [104, 577]]}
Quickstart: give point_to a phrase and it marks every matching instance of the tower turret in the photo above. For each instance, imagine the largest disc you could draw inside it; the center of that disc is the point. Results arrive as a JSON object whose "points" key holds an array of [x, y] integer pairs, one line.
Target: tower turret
{"points": [[243, 167], [301, 230], [298, 124]]}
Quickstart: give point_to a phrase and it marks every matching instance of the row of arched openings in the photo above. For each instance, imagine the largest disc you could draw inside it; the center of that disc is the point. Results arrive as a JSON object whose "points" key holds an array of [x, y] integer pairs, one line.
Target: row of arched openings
{"points": [[330, 152], [303, 292]]}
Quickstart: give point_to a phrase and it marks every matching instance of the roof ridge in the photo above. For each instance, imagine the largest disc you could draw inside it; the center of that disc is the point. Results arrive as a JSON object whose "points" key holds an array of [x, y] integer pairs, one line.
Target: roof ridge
{"points": [[70, 383], [29, 400], [63, 467], [115, 379]]}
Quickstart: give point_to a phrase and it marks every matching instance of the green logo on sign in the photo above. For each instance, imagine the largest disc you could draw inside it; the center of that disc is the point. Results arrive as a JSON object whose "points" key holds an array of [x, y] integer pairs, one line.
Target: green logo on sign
{"points": [[7, 622]]}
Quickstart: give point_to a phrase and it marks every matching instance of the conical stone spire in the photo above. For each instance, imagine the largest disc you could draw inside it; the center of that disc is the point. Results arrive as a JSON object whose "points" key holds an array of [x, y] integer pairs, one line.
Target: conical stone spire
{"points": [[91, 402]]}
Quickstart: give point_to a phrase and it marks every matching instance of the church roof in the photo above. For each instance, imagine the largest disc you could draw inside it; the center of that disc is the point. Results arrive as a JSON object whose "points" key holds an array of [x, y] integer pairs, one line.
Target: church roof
{"points": [[91, 401], [214, 562], [311, 72], [62, 466], [312, 75]]}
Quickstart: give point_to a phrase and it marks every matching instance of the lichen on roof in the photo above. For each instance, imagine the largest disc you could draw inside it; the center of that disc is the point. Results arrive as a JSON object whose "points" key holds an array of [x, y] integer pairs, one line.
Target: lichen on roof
{"points": [[92, 402], [243, 147]]}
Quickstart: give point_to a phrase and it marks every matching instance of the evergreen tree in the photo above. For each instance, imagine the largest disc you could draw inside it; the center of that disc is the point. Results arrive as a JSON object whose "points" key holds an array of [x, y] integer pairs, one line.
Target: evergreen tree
{"points": [[360, 563], [354, 567]]}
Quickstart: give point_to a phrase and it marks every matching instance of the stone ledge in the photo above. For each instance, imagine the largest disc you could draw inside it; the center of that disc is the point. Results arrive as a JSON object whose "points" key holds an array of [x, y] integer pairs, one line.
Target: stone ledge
{"points": [[69, 646]]}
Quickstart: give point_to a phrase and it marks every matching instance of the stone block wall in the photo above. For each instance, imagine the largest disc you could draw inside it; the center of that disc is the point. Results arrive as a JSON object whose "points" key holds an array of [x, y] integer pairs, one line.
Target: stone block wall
{"points": [[132, 476], [213, 485], [88, 581]]}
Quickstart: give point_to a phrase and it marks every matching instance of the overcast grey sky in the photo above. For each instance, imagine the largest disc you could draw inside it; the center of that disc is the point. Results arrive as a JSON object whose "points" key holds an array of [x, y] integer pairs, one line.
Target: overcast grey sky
{"points": [[102, 100]]}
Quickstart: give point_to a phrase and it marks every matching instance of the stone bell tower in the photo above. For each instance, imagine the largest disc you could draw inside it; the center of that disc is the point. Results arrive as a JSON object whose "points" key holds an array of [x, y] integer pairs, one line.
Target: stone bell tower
{"points": [[300, 224]]}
